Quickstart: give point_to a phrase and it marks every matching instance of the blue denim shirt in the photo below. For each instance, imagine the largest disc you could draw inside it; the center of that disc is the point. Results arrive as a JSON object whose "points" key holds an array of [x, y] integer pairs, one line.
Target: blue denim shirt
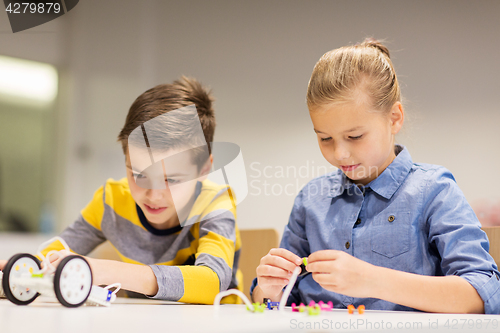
{"points": [[412, 217]]}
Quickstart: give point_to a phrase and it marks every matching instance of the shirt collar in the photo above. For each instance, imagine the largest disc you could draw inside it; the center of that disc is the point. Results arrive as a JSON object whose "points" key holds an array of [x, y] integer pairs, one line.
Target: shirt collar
{"points": [[388, 182]]}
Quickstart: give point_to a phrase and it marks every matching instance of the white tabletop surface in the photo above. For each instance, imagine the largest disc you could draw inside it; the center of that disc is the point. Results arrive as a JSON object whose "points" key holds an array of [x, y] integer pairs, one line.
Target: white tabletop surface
{"points": [[141, 315]]}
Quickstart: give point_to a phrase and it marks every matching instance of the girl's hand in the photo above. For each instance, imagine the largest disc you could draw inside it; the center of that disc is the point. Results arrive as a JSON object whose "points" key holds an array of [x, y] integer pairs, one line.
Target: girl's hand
{"points": [[342, 273], [2, 264], [275, 270]]}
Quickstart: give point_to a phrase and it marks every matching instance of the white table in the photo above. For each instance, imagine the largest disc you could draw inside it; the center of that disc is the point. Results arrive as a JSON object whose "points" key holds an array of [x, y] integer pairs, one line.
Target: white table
{"points": [[138, 316]]}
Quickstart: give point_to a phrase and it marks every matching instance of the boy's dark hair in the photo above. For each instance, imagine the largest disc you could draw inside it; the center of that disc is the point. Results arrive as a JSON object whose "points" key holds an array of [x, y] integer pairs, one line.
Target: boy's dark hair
{"points": [[168, 97]]}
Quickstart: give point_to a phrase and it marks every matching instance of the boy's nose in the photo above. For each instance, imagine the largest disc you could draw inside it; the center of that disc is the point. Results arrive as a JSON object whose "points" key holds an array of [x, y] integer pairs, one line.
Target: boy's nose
{"points": [[155, 194]]}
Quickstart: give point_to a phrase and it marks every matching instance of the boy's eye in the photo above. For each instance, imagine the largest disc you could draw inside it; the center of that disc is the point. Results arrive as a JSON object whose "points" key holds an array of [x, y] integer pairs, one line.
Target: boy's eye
{"points": [[356, 137], [326, 139], [172, 181], [137, 175]]}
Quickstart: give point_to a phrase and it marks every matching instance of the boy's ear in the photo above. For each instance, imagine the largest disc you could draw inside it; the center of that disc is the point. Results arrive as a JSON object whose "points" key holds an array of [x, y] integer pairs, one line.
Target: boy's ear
{"points": [[206, 168], [397, 117]]}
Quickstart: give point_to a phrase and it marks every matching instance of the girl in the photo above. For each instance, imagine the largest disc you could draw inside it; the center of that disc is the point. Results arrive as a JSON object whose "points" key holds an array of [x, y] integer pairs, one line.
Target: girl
{"points": [[381, 231]]}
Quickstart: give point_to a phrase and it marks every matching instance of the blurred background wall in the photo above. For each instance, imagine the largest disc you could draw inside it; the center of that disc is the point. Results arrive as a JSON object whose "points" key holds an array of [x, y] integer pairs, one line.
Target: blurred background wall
{"points": [[257, 57]]}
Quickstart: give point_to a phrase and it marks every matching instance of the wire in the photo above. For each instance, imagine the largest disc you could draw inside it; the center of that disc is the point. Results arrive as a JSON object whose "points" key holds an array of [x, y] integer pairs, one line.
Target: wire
{"points": [[288, 289]]}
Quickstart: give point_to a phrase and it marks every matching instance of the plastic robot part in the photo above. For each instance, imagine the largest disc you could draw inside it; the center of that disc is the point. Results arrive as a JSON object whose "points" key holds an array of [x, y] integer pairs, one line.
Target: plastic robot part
{"points": [[361, 309], [71, 282], [2, 294], [269, 304], [18, 270], [350, 309], [257, 307], [288, 288], [303, 270], [103, 296], [314, 310], [236, 292], [326, 306]]}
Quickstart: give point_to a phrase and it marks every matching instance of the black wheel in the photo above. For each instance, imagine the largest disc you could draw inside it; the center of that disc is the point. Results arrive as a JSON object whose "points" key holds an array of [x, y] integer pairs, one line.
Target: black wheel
{"points": [[17, 265], [73, 281]]}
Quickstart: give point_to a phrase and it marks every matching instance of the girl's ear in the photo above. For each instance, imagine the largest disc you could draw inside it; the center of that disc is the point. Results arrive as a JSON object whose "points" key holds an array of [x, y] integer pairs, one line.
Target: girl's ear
{"points": [[205, 169], [397, 117]]}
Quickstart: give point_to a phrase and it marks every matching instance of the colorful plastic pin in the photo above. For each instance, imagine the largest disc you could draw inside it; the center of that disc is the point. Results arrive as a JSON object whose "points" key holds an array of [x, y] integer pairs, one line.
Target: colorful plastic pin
{"points": [[361, 309], [257, 307], [303, 267], [314, 310], [350, 309], [326, 307]]}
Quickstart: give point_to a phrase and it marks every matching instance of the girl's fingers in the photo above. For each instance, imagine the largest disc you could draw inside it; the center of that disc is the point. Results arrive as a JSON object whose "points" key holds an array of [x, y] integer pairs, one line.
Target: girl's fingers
{"points": [[271, 271], [320, 267], [292, 257], [278, 261], [324, 255], [268, 281], [323, 279]]}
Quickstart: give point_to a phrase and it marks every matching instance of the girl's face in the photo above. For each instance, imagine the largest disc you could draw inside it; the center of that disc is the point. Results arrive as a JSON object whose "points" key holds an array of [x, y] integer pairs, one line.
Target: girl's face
{"points": [[356, 139]]}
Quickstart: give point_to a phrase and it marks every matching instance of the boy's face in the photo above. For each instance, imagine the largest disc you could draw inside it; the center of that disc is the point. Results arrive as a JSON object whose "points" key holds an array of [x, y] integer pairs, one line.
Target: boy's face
{"points": [[356, 140], [164, 191]]}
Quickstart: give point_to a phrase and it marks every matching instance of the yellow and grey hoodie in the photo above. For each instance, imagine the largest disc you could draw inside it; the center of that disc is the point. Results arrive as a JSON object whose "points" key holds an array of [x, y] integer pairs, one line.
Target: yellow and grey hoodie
{"points": [[192, 264]]}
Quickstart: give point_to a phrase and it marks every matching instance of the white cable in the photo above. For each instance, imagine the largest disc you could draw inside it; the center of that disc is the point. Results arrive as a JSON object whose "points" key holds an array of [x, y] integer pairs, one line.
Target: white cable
{"points": [[117, 285], [232, 292], [288, 289], [46, 259]]}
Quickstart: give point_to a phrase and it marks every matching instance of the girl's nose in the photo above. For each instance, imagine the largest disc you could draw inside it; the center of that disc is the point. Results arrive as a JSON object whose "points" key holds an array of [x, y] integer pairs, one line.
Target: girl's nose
{"points": [[341, 153]]}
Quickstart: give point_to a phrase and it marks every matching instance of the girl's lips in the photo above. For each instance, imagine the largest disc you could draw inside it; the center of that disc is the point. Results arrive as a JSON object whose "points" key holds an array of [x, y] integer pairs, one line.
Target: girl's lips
{"points": [[155, 211], [349, 167]]}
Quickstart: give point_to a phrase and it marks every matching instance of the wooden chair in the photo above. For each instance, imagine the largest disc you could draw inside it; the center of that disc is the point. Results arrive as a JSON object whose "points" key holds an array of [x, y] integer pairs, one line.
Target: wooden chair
{"points": [[255, 243], [493, 234]]}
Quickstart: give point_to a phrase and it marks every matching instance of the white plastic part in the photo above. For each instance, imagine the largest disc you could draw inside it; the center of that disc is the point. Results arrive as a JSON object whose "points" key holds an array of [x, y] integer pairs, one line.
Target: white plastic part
{"points": [[2, 294], [288, 289], [75, 281], [103, 296], [232, 292], [47, 265], [19, 274]]}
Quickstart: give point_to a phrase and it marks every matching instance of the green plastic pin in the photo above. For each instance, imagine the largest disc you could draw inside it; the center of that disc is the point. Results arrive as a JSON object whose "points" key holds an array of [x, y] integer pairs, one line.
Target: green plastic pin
{"points": [[304, 260]]}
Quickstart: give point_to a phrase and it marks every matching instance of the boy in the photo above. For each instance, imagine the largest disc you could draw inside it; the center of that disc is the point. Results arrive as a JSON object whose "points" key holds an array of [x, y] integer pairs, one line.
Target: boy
{"points": [[174, 230]]}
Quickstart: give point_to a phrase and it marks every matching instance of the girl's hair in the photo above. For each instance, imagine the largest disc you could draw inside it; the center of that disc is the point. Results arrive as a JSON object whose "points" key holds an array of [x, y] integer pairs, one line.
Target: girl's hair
{"points": [[348, 73]]}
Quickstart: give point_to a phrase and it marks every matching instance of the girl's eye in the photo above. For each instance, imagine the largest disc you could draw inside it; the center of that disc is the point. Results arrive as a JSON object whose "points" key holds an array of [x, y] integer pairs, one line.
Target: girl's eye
{"points": [[137, 175], [172, 181], [356, 137], [326, 139]]}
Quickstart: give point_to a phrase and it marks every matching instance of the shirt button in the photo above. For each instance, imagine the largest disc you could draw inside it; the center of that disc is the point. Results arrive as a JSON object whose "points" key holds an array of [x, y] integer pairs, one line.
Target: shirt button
{"points": [[391, 218], [358, 221], [347, 245]]}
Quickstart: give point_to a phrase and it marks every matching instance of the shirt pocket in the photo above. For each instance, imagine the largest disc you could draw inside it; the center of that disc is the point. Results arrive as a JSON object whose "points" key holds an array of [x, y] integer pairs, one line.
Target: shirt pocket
{"points": [[390, 235]]}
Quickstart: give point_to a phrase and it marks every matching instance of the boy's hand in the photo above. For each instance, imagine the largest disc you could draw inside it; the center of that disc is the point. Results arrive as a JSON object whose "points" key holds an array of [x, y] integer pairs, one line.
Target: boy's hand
{"points": [[275, 270], [2, 264], [56, 257], [342, 273]]}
